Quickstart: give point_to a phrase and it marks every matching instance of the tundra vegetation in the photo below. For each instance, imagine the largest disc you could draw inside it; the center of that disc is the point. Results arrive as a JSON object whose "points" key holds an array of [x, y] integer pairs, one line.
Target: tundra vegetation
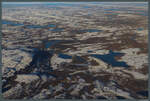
{"points": [[75, 50]]}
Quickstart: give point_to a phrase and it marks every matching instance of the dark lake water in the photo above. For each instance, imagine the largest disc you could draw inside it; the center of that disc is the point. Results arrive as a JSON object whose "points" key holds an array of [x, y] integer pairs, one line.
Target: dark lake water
{"points": [[46, 26], [120, 97], [114, 9], [5, 89], [51, 43], [143, 93], [144, 14], [107, 58], [110, 59], [33, 26], [12, 23], [39, 26], [54, 42], [140, 29], [87, 7], [89, 51], [64, 56]]}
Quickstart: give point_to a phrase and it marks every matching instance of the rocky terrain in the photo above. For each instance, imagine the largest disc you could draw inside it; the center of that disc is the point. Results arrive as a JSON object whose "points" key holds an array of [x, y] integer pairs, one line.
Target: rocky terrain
{"points": [[75, 51]]}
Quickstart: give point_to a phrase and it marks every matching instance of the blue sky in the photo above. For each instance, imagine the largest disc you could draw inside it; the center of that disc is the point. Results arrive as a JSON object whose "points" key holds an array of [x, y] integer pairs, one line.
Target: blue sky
{"points": [[77, 3], [65, 2]]}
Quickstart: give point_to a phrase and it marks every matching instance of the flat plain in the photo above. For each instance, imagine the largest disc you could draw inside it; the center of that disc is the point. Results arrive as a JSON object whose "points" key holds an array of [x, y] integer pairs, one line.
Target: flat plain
{"points": [[93, 50]]}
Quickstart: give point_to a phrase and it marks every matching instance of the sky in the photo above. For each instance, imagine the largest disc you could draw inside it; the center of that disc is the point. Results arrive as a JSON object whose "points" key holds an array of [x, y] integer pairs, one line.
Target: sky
{"points": [[66, 2], [145, 4]]}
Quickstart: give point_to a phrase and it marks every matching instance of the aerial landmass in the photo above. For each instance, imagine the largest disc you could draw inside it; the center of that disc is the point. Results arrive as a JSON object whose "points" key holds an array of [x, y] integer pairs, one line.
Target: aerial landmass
{"points": [[87, 50]]}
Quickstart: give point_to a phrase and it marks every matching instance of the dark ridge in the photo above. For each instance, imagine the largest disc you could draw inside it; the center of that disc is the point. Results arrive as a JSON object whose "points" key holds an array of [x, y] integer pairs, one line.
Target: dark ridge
{"points": [[40, 56]]}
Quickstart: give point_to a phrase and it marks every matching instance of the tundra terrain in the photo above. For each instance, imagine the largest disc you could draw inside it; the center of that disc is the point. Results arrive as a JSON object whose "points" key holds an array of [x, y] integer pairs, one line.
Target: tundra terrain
{"points": [[75, 50]]}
